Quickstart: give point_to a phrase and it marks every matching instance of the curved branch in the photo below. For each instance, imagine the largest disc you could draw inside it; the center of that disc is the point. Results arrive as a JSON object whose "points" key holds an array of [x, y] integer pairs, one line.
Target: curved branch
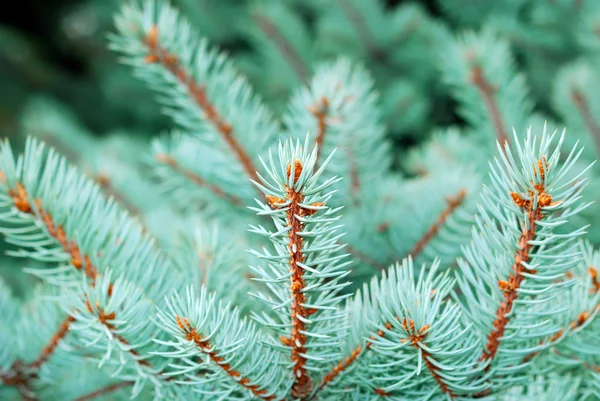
{"points": [[511, 287], [287, 50], [204, 344], [487, 90], [583, 108], [417, 339], [195, 178], [171, 63], [453, 204], [54, 341], [22, 203], [104, 390]]}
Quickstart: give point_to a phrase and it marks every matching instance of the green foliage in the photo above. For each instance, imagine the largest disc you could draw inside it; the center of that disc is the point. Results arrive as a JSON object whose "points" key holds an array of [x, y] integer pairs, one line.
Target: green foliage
{"points": [[210, 264]]}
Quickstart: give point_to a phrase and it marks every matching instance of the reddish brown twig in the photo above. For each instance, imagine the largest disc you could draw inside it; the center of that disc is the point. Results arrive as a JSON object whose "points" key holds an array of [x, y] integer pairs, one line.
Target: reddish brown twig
{"points": [[511, 287], [105, 319], [17, 378], [362, 31], [204, 344], [416, 338], [487, 91], [320, 111], [453, 204], [287, 50], [170, 61], [104, 181], [303, 384], [342, 365], [594, 278], [54, 341], [586, 115], [104, 390], [195, 178], [22, 203]]}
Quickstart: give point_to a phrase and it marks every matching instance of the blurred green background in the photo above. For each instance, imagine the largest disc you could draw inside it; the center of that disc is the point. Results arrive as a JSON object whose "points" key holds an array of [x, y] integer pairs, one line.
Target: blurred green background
{"points": [[58, 48]]}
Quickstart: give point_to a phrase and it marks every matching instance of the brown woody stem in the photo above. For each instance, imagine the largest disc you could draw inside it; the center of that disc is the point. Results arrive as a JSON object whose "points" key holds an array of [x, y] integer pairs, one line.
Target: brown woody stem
{"points": [[21, 202], [510, 288], [286, 48], [416, 339], [591, 125], [487, 91], [206, 347], [105, 319], [320, 111], [54, 341], [104, 181], [171, 63], [195, 178], [453, 204], [104, 390], [346, 362]]}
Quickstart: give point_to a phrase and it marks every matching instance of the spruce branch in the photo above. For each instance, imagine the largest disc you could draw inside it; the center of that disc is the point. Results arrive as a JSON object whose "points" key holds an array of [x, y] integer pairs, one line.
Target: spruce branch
{"points": [[320, 111], [405, 332], [104, 390], [504, 291], [52, 344], [229, 350], [196, 179], [492, 95], [487, 92], [453, 204], [203, 343], [363, 32], [199, 87], [581, 103], [287, 50], [21, 202], [533, 205], [158, 54], [339, 106], [307, 255]]}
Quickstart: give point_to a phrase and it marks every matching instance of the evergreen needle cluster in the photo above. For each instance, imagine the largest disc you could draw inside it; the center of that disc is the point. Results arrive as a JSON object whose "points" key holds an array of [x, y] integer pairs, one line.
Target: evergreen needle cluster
{"points": [[299, 266]]}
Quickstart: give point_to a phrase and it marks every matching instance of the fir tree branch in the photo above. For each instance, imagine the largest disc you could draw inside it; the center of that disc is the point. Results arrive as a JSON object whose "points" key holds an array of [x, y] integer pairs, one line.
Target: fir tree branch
{"points": [[205, 345], [453, 204], [582, 318], [487, 91], [342, 365], [105, 319], [195, 178], [417, 341], [511, 287], [287, 50], [594, 278], [17, 378], [362, 31], [320, 111], [104, 182], [303, 384], [47, 351], [171, 63], [581, 104], [22, 203], [104, 390], [354, 177]]}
